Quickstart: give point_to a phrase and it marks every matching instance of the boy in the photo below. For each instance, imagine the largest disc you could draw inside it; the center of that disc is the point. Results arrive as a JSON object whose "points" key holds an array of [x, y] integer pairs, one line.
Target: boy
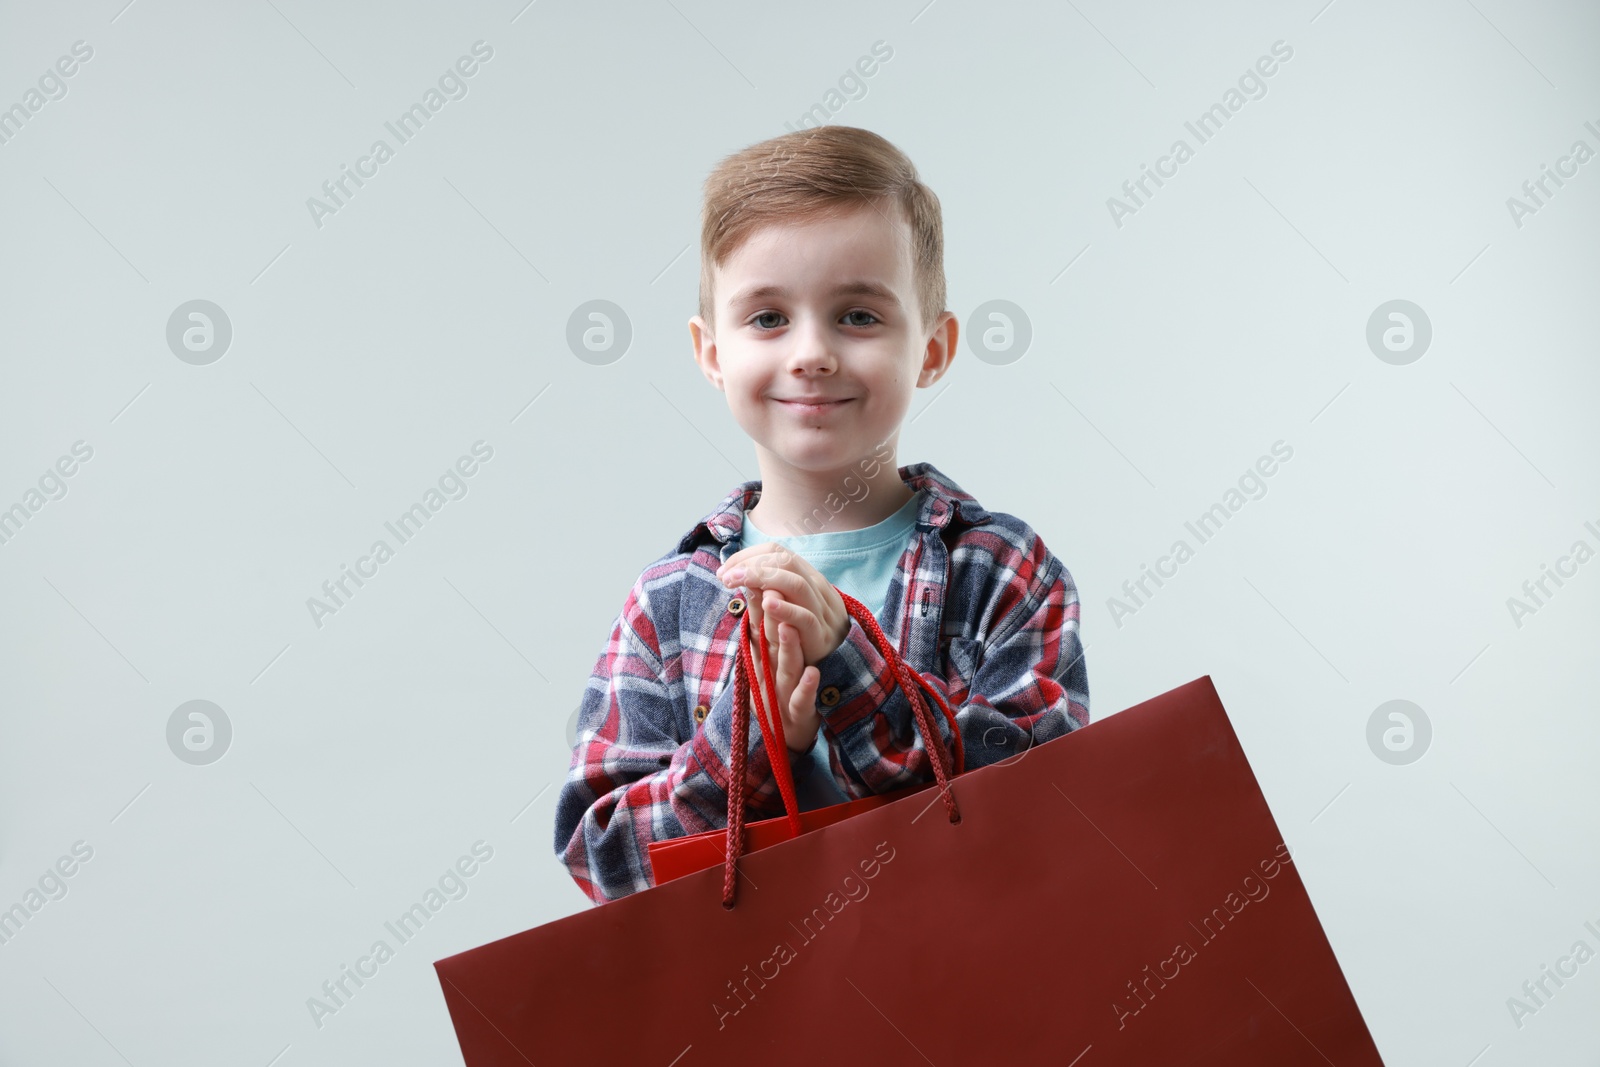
{"points": [[821, 310]]}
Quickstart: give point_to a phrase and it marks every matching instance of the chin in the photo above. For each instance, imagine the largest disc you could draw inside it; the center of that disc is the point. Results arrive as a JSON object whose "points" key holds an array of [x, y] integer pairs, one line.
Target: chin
{"points": [[821, 455]]}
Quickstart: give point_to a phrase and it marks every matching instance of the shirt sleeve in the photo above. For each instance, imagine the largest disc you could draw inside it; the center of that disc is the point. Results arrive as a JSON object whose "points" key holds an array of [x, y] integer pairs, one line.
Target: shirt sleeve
{"points": [[632, 778], [1031, 686]]}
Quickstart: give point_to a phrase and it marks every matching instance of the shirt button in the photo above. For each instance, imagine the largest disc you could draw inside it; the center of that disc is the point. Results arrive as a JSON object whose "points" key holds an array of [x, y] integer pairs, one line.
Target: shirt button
{"points": [[700, 712], [829, 695], [736, 606]]}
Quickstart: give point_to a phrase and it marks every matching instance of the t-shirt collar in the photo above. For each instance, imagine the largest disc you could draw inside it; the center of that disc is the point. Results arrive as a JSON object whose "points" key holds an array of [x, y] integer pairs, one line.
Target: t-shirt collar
{"points": [[943, 502]]}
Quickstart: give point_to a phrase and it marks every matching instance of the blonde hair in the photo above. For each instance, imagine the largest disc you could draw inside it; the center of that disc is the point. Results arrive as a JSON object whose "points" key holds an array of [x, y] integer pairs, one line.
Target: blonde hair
{"points": [[814, 174]]}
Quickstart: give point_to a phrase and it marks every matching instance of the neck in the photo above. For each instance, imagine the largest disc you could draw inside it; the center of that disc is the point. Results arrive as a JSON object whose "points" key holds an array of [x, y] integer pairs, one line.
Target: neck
{"points": [[798, 502]]}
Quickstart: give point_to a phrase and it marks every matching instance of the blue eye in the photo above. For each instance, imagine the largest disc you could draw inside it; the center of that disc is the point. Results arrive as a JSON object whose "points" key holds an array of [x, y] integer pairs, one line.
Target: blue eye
{"points": [[858, 311], [757, 319]]}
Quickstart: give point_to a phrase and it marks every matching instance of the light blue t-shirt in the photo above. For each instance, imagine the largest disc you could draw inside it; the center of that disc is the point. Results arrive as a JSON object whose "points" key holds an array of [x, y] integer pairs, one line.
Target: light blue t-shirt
{"points": [[861, 563]]}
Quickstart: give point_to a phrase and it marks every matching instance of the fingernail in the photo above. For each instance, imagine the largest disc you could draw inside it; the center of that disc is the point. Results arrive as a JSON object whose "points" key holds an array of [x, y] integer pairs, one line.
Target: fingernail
{"points": [[735, 576]]}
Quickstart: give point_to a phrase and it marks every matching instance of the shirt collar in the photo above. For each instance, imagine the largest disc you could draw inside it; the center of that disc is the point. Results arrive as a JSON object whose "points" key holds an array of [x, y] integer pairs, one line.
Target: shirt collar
{"points": [[945, 501]]}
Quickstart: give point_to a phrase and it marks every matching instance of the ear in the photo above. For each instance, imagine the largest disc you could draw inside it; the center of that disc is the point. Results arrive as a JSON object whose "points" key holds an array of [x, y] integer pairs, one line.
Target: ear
{"points": [[940, 349], [705, 350]]}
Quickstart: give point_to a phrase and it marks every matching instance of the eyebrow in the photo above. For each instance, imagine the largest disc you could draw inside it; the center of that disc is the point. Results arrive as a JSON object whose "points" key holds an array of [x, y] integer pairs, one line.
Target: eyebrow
{"points": [[859, 287]]}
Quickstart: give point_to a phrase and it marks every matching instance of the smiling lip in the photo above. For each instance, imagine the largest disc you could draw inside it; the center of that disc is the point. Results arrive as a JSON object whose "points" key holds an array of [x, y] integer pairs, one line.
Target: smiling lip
{"points": [[812, 407]]}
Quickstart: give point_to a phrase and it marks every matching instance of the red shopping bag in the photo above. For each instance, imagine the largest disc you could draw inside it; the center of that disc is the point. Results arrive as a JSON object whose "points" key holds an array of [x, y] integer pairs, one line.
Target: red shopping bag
{"points": [[1119, 895], [678, 856]]}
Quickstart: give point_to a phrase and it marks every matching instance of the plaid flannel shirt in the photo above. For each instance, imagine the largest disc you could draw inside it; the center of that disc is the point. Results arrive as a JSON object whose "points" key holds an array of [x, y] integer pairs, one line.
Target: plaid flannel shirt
{"points": [[978, 606]]}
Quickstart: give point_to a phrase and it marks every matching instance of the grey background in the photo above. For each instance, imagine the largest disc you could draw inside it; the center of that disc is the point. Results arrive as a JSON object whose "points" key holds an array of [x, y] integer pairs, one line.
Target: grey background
{"points": [[368, 354]]}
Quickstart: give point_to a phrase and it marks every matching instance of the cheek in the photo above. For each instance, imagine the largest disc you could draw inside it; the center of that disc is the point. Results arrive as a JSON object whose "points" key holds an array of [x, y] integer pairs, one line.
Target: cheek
{"points": [[739, 388]]}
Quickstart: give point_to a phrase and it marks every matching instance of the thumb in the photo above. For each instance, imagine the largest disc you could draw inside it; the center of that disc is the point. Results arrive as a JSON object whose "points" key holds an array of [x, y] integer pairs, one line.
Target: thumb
{"points": [[806, 687]]}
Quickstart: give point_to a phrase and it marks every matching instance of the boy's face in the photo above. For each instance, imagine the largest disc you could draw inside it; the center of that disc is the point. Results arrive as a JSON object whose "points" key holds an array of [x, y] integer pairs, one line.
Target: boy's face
{"points": [[821, 309]]}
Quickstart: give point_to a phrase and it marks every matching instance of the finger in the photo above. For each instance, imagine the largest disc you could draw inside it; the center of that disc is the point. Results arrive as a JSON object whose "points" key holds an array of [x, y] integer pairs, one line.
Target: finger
{"points": [[787, 648], [807, 623], [780, 610], [764, 624], [805, 690], [803, 698], [788, 667], [770, 554], [783, 556], [773, 604], [744, 555], [794, 587]]}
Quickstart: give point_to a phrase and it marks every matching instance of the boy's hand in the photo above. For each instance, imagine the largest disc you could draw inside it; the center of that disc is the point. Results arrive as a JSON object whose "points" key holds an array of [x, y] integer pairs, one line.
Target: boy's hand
{"points": [[797, 686], [794, 592]]}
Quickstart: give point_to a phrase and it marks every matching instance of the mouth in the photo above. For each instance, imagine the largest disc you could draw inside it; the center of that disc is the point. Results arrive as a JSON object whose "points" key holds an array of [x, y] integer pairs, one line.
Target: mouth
{"points": [[803, 408]]}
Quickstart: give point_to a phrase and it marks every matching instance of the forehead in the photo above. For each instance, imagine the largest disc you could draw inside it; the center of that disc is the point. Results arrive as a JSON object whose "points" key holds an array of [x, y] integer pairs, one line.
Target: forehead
{"points": [[871, 240]]}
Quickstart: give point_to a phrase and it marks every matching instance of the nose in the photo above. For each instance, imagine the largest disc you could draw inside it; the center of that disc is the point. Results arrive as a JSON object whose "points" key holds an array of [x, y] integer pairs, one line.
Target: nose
{"points": [[813, 351]]}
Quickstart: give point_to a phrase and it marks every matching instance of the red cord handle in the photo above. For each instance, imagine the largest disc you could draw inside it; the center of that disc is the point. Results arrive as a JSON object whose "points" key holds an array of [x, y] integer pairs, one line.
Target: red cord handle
{"points": [[771, 724]]}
